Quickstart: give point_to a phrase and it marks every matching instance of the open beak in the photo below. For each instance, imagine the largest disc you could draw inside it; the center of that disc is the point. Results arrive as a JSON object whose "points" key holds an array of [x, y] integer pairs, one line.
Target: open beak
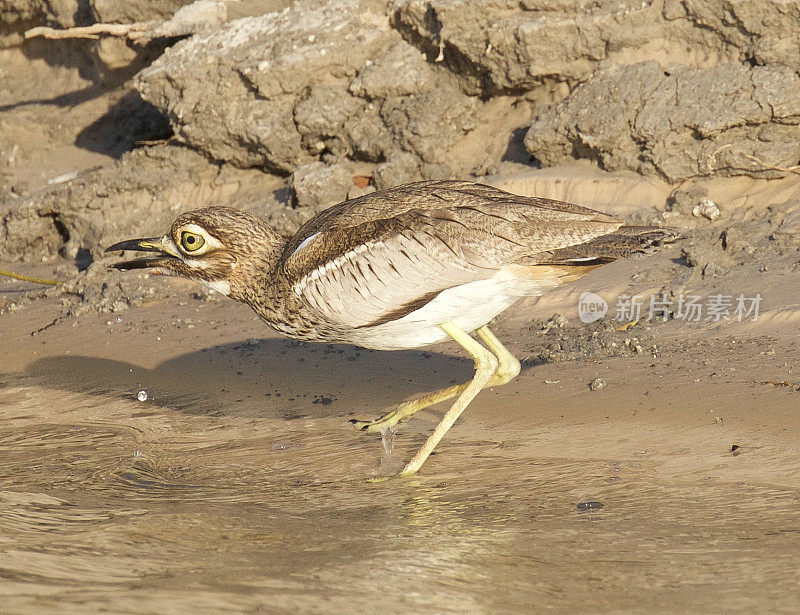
{"points": [[153, 244]]}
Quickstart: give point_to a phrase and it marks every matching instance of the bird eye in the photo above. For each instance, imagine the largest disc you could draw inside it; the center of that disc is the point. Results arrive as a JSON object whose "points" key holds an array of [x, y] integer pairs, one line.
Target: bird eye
{"points": [[191, 242]]}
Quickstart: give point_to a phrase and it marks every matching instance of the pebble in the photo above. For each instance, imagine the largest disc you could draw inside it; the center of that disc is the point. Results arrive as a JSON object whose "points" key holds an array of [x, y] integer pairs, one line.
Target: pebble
{"points": [[706, 208], [141, 396], [597, 384], [589, 505]]}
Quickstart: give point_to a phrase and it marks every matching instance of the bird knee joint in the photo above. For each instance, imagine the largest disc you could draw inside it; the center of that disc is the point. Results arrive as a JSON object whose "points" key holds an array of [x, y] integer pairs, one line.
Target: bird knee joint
{"points": [[486, 362], [511, 370]]}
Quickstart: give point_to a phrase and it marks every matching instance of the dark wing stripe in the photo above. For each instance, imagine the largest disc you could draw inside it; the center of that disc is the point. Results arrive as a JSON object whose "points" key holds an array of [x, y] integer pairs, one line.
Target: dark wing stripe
{"points": [[626, 241], [403, 310]]}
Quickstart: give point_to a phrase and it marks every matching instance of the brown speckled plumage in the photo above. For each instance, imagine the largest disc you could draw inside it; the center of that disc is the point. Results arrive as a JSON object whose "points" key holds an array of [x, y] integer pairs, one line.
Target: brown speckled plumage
{"points": [[414, 241], [400, 268]]}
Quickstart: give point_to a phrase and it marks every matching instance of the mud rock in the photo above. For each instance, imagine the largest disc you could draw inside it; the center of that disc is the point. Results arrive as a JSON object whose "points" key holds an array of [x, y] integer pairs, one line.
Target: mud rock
{"points": [[369, 137], [138, 196], [429, 124], [319, 185], [113, 11], [257, 70], [320, 117], [708, 260], [401, 168], [509, 46], [738, 238], [400, 71], [88, 211], [437, 171], [162, 21], [595, 121], [728, 119], [100, 289], [506, 45], [317, 79], [684, 201], [765, 32]]}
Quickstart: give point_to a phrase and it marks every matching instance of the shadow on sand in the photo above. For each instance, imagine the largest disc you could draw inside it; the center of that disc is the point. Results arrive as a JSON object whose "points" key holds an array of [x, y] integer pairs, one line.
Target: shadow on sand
{"points": [[272, 377]]}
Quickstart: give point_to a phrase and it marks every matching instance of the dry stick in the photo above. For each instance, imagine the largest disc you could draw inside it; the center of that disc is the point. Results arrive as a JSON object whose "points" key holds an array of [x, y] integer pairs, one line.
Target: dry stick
{"points": [[187, 21], [26, 278], [94, 31], [140, 32]]}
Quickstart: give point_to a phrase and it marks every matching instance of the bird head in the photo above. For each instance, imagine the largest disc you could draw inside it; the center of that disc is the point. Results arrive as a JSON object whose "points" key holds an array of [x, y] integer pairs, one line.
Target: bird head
{"points": [[221, 248]]}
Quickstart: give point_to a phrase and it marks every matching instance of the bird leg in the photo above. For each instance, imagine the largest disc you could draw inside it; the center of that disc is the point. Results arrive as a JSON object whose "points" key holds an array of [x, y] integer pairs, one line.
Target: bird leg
{"points": [[486, 365], [405, 410], [508, 367]]}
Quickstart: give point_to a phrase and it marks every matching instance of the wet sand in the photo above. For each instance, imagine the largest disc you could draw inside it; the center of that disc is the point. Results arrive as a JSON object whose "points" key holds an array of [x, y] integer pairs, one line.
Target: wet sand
{"points": [[239, 486]]}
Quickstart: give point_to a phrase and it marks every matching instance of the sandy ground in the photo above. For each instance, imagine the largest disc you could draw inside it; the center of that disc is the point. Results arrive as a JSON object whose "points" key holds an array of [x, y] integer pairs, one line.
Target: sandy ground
{"points": [[238, 485]]}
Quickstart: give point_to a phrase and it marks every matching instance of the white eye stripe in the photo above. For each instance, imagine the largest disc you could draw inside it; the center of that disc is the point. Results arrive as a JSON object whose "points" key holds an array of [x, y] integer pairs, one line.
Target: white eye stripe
{"points": [[193, 228]]}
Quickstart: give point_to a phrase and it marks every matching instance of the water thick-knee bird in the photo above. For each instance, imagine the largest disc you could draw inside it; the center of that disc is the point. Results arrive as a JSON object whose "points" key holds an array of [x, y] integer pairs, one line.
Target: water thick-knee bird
{"points": [[400, 268]]}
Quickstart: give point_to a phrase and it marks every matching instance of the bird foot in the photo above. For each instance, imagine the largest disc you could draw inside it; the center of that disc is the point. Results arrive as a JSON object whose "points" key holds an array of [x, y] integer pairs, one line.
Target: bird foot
{"points": [[400, 414], [376, 426]]}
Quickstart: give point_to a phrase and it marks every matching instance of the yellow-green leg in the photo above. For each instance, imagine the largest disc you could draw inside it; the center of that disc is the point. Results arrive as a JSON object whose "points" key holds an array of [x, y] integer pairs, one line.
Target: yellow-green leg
{"points": [[485, 367], [405, 410], [508, 367]]}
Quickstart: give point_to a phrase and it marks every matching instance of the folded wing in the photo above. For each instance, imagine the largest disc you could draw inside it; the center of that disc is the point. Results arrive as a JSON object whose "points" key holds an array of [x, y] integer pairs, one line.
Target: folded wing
{"points": [[411, 244]]}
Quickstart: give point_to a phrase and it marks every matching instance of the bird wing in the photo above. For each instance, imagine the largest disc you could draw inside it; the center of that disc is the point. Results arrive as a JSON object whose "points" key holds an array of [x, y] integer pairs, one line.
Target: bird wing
{"points": [[369, 261]]}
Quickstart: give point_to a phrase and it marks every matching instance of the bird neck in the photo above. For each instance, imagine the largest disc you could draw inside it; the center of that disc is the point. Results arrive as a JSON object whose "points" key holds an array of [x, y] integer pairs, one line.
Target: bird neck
{"points": [[253, 273]]}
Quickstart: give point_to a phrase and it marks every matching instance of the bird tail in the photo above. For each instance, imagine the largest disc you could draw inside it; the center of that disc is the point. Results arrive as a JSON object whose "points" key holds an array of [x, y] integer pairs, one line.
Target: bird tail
{"points": [[626, 241]]}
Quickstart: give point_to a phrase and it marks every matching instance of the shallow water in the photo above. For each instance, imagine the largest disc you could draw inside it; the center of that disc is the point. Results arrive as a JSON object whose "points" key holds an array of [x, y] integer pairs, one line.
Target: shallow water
{"points": [[111, 504]]}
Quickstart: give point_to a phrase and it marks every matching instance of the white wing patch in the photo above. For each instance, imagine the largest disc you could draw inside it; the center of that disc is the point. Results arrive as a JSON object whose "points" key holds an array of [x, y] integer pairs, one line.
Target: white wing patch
{"points": [[377, 278], [304, 243], [328, 267]]}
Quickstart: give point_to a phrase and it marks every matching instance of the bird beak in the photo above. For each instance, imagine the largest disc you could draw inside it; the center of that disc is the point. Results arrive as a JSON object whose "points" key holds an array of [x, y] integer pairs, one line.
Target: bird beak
{"points": [[153, 244]]}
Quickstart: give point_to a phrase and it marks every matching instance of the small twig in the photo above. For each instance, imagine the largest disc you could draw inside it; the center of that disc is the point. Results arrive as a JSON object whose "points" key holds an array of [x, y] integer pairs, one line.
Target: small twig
{"points": [[712, 158], [66, 177], [47, 326], [26, 278]]}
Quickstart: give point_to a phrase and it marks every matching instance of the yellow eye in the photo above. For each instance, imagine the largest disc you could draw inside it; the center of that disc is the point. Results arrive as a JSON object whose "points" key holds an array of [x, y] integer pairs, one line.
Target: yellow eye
{"points": [[191, 242]]}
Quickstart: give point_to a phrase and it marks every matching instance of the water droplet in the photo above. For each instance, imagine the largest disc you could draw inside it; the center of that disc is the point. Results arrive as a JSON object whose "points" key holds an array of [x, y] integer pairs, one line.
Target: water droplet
{"points": [[283, 446], [141, 396], [387, 439]]}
